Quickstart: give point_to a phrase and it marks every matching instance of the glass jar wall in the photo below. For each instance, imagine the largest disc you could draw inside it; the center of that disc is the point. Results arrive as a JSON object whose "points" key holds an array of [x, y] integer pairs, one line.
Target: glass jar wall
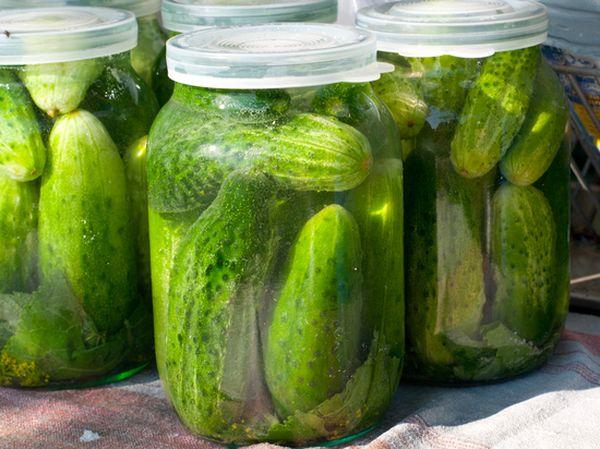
{"points": [[483, 120], [72, 126], [182, 16], [276, 235]]}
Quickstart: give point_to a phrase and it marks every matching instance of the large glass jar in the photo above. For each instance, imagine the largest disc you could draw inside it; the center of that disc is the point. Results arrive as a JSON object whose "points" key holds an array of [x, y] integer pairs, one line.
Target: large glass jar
{"points": [[73, 117], [151, 37], [183, 16], [276, 235], [487, 184]]}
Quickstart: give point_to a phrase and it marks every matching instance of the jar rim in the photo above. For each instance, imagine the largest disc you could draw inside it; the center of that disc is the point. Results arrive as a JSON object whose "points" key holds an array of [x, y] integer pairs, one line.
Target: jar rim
{"points": [[187, 15], [50, 35], [273, 56], [463, 28]]}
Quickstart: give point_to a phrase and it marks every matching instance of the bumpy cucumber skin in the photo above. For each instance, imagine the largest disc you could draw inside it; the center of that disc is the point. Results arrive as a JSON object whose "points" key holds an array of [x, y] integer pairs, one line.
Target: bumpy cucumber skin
{"points": [[377, 205], [523, 253], [405, 101], [18, 235], [445, 263], [494, 111], [541, 135], [192, 149], [22, 152], [59, 88], [122, 101], [313, 343], [137, 186], [85, 230], [217, 282], [358, 106], [166, 233], [197, 140], [151, 42], [315, 153]]}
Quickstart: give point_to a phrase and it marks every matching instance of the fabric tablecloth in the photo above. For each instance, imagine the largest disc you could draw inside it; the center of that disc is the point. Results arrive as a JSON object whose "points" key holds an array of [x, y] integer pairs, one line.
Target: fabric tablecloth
{"points": [[555, 407]]}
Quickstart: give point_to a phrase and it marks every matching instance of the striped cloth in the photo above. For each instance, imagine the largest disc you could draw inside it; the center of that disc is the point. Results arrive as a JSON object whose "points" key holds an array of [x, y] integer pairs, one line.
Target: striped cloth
{"points": [[556, 407]]}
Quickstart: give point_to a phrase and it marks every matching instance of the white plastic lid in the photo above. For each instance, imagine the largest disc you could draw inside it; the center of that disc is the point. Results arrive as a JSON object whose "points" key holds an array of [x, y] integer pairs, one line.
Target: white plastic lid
{"points": [[44, 35], [188, 15], [273, 56], [463, 28], [138, 7]]}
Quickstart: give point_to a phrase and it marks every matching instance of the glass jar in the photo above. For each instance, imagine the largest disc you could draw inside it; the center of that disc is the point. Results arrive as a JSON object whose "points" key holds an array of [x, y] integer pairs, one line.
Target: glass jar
{"points": [[151, 37], [487, 184], [73, 121], [275, 197], [182, 16]]}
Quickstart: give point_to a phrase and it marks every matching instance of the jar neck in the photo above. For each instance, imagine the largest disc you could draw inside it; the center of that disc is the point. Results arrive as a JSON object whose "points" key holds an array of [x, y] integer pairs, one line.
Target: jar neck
{"points": [[254, 105]]}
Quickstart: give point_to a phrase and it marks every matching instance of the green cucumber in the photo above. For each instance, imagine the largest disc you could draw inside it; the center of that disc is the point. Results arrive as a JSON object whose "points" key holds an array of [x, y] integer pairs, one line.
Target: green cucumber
{"points": [[137, 185], [358, 106], [166, 233], [18, 235], [313, 342], [122, 102], [494, 111], [85, 230], [218, 282], [59, 88], [541, 135], [377, 205], [308, 152], [523, 253], [405, 101], [445, 246], [362, 402], [151, 42], [22, 152]]}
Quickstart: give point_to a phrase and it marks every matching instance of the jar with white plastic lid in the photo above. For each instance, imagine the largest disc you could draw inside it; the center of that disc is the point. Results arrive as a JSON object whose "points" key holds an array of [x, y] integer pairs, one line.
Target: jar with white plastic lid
{"points": [[483, 120], [182, 16], [275, 201], [73, 123], [151, 38]]}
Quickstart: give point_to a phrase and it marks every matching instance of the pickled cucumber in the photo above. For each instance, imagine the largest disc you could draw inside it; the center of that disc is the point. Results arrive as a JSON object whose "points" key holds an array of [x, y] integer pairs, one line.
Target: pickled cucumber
{"points": [[313, 342], [22, 152], [307, 152], [405, 101], [217, 283], [85, 230], [445, 260], [59, 88], [166, 233], [18, 235], [542, 133], [523, 252], [377, 205], [494, 111]]}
